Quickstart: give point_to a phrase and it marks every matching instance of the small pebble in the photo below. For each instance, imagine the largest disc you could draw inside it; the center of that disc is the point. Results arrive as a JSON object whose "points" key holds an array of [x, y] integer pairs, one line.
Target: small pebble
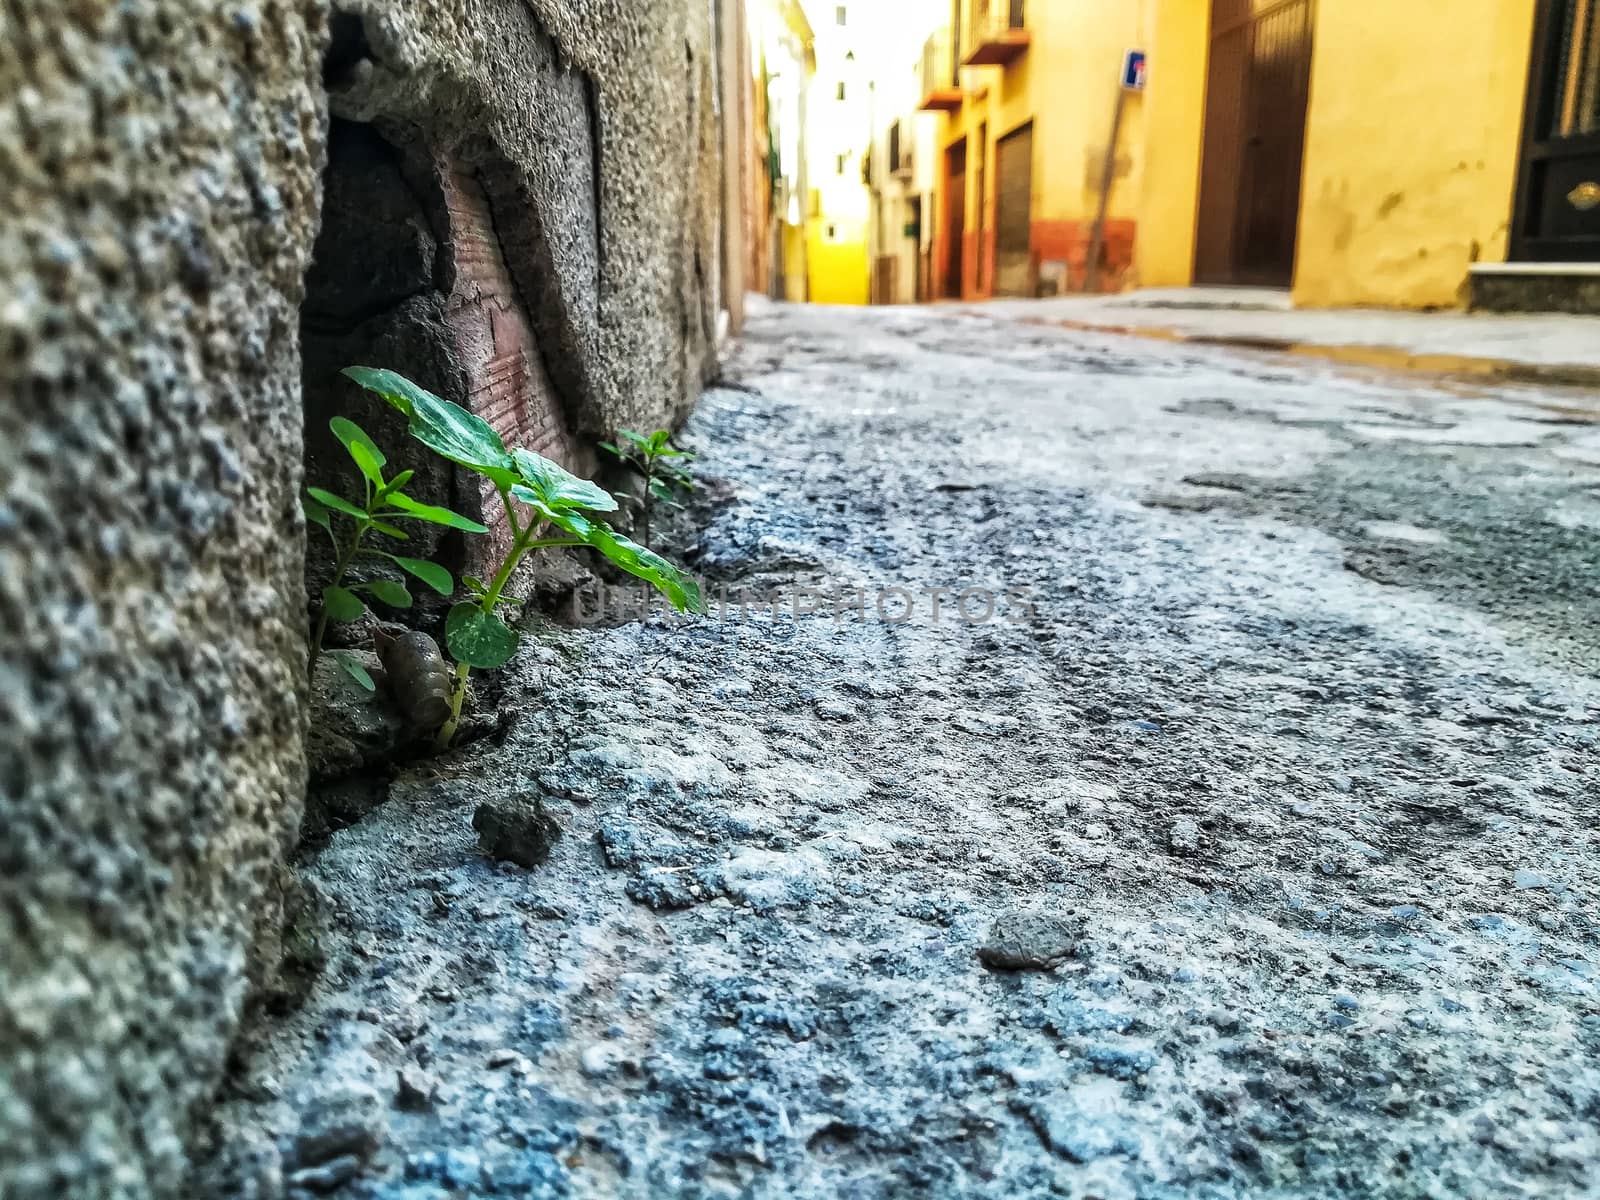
{"points": [[330, 1175], [414, 1088], [1184, 837]]}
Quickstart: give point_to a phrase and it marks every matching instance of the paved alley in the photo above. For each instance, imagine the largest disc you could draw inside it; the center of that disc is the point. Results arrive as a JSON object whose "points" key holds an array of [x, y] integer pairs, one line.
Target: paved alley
{"points": [[1112, 768]]}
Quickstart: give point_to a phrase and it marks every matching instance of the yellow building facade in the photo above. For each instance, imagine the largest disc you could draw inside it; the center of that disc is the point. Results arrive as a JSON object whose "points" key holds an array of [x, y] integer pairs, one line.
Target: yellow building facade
{"points": [[1029, 93], [1411, 158], [1413, 123], [836, 139], [1360, 152]]}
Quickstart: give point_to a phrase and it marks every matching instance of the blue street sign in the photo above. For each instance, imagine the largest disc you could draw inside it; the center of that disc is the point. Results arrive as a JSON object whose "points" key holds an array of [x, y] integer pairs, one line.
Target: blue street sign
{"points": [[1134, 71]]}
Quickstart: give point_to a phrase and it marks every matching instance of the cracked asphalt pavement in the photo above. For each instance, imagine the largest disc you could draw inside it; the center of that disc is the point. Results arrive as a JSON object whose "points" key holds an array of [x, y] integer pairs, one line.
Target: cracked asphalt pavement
{"points": [[1245, 846]]}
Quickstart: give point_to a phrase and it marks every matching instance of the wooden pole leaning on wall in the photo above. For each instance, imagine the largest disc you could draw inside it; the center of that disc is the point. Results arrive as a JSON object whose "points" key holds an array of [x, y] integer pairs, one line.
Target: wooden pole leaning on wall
{"points": [[1097, 239]]}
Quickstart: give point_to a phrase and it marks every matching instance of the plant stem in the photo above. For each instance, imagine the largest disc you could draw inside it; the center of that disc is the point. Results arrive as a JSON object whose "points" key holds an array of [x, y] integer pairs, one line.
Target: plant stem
{"points": [[649, 499], [524, 542], [501, 577], [458, 695], [339, 569]]}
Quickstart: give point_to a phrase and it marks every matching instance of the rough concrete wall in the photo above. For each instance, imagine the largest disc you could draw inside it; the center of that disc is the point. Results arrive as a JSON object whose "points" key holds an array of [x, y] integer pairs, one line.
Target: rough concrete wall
{"points": [[158, 199], [160, 165], [592, 127]]}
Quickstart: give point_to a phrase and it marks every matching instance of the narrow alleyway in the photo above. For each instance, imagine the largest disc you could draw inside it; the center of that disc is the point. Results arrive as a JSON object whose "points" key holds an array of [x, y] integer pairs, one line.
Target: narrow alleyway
{"points": [[1284, 717]]}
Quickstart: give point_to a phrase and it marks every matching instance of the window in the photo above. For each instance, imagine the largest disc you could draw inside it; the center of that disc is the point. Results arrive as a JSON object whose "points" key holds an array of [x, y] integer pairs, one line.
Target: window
{"points": [[841, 89], [844, 161], [839, 15], [833, 233]]}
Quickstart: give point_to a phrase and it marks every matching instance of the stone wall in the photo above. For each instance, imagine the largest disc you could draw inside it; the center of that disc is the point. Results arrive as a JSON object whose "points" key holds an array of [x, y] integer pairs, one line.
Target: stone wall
{"points": [[559, 165], [591, 128], [545, 176]]}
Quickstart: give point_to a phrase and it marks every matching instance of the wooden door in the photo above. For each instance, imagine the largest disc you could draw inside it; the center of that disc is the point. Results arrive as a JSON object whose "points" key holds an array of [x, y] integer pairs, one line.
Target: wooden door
{"points": [[914, 232], [1013, 213], [981, 191], [1255, 130], [955, 217], [1558, 189]]}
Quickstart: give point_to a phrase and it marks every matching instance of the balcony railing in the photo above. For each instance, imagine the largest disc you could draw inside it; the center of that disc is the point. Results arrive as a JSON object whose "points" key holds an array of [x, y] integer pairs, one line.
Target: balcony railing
{"points": [[993, 33], [941, 82]]}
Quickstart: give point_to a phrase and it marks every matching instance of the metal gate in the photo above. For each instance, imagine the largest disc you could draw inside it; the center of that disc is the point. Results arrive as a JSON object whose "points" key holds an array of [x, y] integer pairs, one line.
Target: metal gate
{"points": [[1255, 134], [1013, 241], [1558, 189], [955, 216]]}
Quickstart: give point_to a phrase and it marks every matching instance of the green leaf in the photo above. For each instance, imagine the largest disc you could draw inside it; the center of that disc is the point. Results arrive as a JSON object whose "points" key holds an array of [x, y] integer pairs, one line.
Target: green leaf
{"points": [[354, 669], [638, 439], [553, 485], [361, 447], [476, 584], [341, 604], [658, 442], [431, 574], [433, 514], [661, 490], [680, 589], [445, 428], [351, 434], [395, 484], [337, 503], [389, 530], [389, 592], [316, 512], [479, 639], [368, 465], [610, 449]]}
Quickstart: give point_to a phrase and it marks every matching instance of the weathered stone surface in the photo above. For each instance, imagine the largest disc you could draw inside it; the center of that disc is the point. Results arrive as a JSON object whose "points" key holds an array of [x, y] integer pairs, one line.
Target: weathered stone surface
{"points": [[250, 1167], [159, 161], [516, 829], [414, 1088], [350, 727], [1184, 836], [1346, 967], [1031, 939], [523, 216], [578, 118], [340, 1120], [1535, 293]]}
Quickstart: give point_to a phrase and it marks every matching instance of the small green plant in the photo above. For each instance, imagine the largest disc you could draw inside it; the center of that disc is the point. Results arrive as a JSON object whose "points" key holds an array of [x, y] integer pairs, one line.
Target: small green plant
{"points": [[383, 503], [656, 459], [537, 494]]}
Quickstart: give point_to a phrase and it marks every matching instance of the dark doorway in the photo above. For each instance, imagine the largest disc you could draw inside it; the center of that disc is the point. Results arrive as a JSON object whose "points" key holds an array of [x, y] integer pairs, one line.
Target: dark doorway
{"points": [[1558, 187], [1255, 133], [1013, 213], [982, 192], [955, 217]]}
